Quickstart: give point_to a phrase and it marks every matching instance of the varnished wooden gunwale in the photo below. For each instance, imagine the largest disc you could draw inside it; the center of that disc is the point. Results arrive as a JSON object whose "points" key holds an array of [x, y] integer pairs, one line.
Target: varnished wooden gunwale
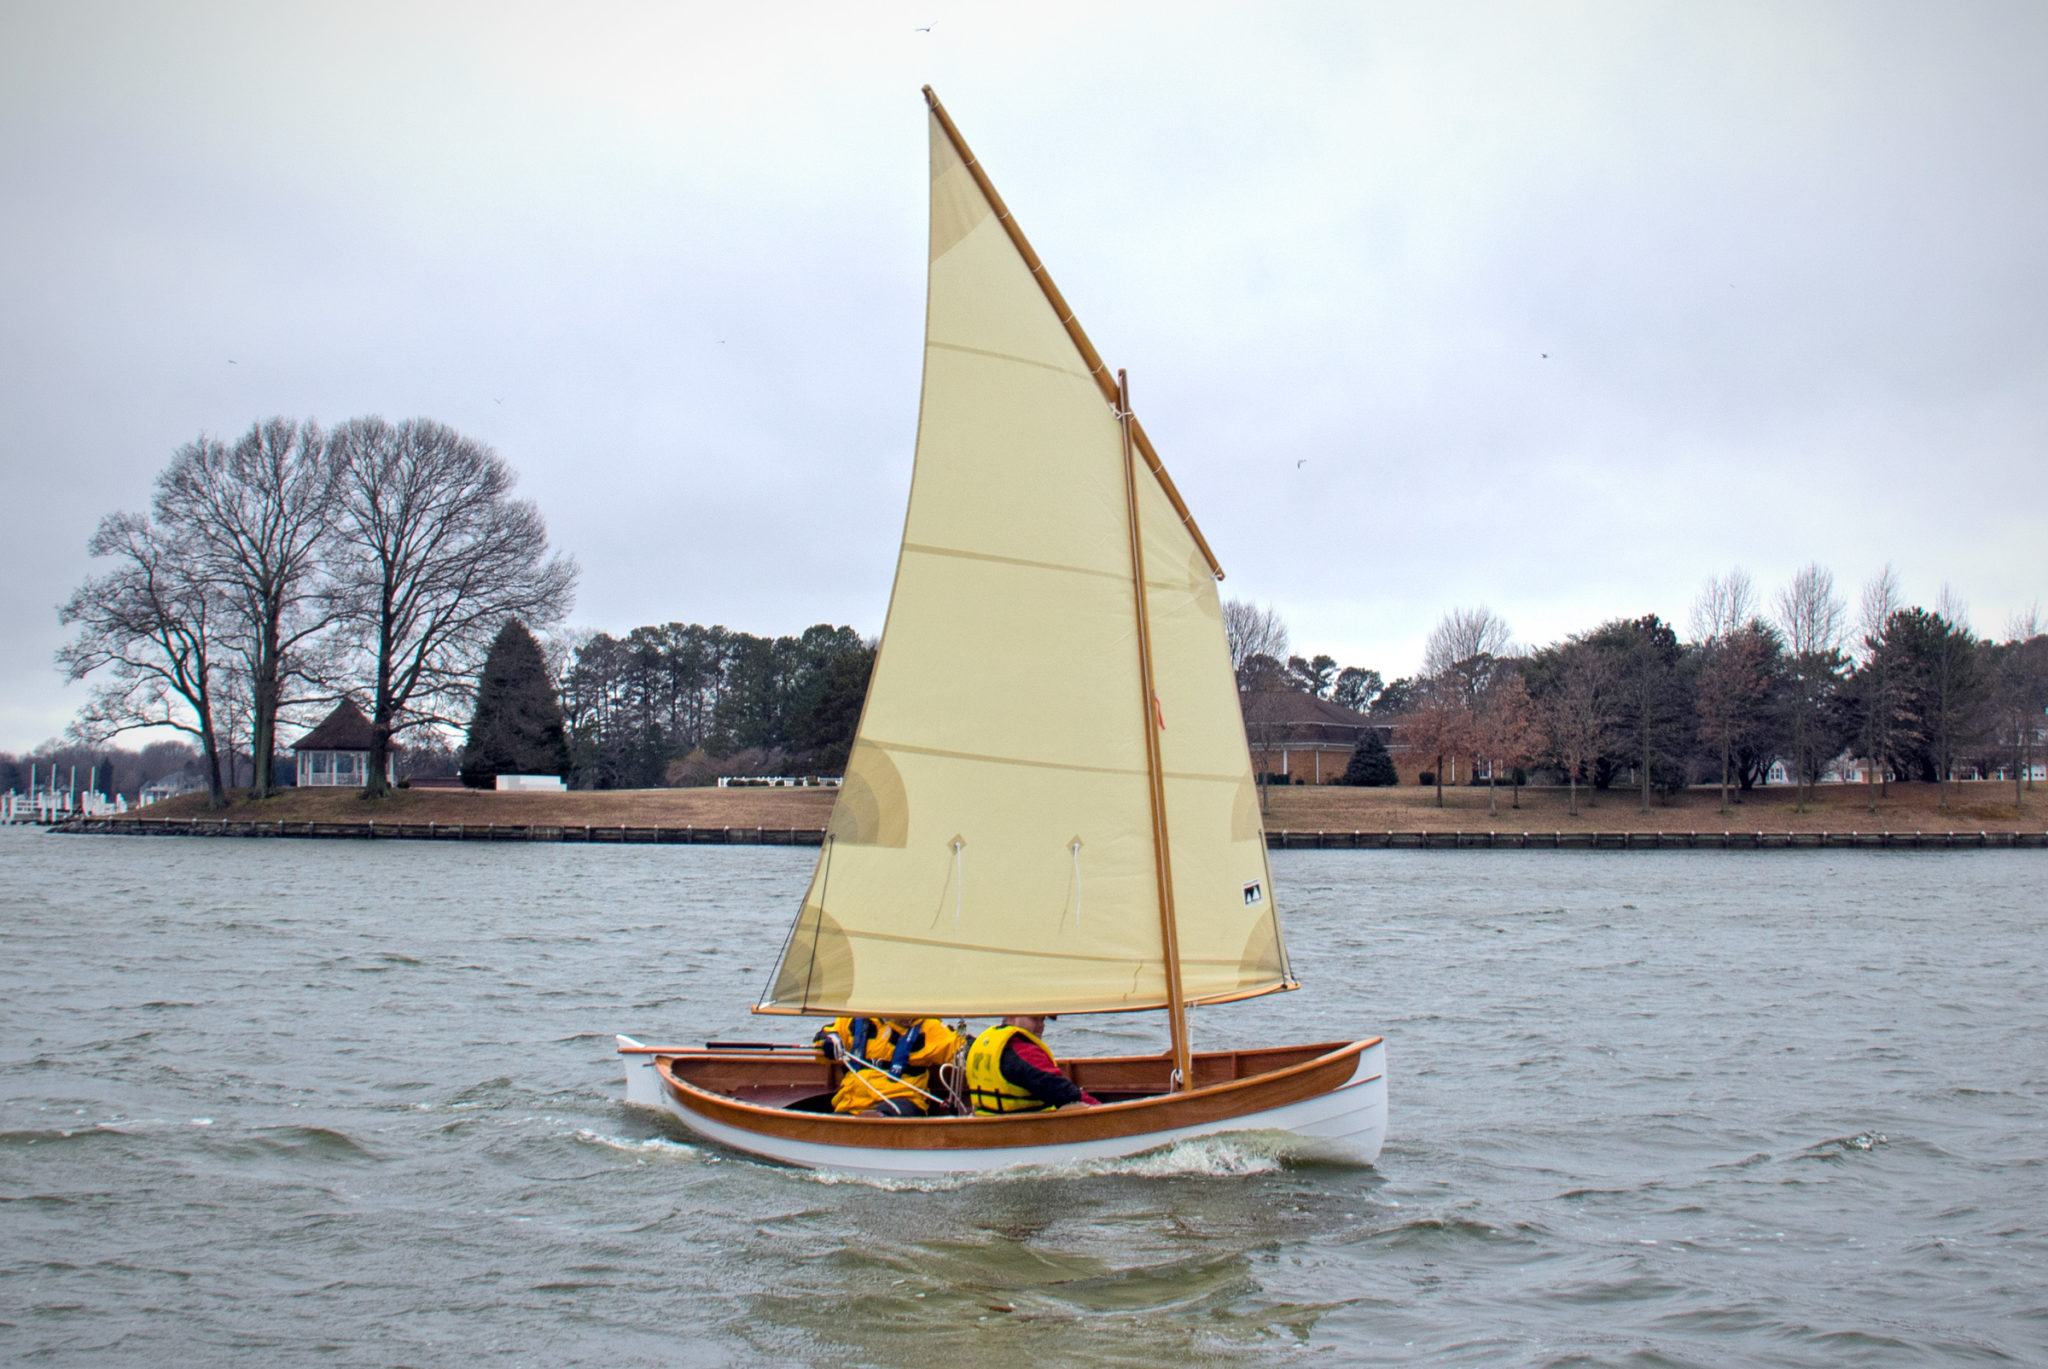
{"points": [[1321, 1074]]}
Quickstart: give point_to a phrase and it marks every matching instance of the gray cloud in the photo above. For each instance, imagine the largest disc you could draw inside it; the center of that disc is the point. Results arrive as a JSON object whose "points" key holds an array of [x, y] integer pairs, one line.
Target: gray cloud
{"points": [[1785, 264]]}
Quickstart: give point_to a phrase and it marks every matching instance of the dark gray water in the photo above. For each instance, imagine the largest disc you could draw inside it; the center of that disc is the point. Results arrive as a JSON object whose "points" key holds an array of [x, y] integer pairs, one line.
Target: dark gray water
{"points": [[289, 1102]]}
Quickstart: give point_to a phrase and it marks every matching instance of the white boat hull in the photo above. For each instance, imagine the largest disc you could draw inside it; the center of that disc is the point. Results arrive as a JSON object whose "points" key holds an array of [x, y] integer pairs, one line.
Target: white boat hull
{"points": [[1347, 1124]]}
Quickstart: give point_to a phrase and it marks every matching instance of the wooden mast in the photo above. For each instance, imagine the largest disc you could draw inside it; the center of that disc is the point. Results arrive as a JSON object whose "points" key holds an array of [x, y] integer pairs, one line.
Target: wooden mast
{"points": [[1097, 368], [1162, 855]]}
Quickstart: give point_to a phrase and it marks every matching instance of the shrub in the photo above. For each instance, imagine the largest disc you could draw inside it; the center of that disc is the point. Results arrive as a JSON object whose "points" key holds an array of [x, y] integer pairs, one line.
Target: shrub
{"points": [[1370, 764]]}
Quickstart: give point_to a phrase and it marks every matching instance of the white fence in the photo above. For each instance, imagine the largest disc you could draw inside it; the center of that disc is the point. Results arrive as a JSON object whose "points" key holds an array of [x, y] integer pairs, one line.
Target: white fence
{"points": [[778, 781]]}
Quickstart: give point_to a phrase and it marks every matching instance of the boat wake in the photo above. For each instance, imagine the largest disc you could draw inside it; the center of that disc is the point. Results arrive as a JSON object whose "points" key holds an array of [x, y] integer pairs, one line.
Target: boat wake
{"points": [[1243, 1154], [1221, 1157], [660, 1146]]}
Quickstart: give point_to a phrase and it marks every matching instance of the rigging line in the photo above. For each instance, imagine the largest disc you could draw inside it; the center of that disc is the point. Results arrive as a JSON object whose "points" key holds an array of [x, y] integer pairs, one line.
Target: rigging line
{"points": [[857, 1073], [824, 883], [788, 940]]}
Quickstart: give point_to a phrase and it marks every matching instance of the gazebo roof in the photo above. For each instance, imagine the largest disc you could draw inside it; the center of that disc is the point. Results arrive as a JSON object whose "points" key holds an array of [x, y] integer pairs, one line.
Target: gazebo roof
{"points": [[345, 729]]}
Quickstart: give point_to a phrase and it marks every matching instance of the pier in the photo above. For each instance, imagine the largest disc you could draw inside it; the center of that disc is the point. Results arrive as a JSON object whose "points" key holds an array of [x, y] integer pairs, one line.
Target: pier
{"points": [[45, 804]]}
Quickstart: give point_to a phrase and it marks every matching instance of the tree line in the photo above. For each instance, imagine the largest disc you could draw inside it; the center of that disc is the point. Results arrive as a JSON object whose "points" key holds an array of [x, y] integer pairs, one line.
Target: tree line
{"points": [[1909, 692], [681, 703], [105, 770], [295, 565]]}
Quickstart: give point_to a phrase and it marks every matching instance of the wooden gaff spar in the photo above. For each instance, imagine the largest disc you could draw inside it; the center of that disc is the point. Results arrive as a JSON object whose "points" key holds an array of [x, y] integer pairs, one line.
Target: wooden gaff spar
{"points": [[1049, 806]]}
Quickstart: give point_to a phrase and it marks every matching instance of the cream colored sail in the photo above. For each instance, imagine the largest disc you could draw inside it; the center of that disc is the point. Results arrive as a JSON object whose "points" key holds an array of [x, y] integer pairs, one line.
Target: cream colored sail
{"points": [[992, 850]]}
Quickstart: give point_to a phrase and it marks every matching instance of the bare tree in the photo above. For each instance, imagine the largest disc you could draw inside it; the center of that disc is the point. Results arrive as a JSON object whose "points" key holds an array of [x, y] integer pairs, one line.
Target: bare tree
{"points": [[1438, 724], [1577, 715], [259, 514], [1462, 634], [434, 555], [1734, 683], [2019, 697], [1725, 604], [1878, 683], [1505, 730], [1812, 619], [1881, 599], [2023, 630], [233, 706], [1252, 630], [2023, 625], [151, 624], [1263, 686], [1951, 606]]}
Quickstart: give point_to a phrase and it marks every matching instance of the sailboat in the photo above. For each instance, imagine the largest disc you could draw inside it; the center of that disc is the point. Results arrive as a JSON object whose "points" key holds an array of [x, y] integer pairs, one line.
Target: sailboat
{"points": [[1049, 806]]}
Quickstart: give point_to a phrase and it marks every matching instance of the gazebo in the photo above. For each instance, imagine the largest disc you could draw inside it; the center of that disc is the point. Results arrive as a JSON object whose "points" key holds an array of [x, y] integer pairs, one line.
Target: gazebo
{"points": [[336, 754]]}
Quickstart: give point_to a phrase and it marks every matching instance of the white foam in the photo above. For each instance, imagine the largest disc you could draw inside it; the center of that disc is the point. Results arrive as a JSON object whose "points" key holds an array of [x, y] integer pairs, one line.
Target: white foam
{"points": [[1221, 1157], [652, 1145], [1236, 1155]]}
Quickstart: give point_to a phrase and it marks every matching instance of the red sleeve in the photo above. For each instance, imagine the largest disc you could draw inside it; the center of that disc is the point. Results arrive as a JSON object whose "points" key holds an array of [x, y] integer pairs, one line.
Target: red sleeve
{"points": [[1041, 1064]]}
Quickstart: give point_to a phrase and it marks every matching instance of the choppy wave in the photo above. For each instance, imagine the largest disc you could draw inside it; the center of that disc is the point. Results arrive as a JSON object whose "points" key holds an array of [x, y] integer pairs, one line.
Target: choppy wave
{"points": [[313, 1143], [1714, 1168], [45, 1136], [1841, 1147]]}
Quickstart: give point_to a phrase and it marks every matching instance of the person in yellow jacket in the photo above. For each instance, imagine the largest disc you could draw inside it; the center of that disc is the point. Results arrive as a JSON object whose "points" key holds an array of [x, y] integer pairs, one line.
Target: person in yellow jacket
{"points": [[888, 1063], [1009, 1069]]}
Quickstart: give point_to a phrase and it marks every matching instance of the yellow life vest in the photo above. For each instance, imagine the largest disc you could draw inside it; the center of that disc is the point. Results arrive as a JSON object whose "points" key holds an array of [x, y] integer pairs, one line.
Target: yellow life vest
{"points": [[987, 1090], [864, 1088]]}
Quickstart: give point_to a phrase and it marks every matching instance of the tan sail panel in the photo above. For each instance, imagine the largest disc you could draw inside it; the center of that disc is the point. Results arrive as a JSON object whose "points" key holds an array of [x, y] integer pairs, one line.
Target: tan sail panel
{"points": [[992, 850]]}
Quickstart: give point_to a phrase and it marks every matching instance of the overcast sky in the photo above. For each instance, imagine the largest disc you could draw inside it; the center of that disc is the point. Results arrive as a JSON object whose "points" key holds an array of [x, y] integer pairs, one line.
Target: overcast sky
{"points": [[1559, 309]]}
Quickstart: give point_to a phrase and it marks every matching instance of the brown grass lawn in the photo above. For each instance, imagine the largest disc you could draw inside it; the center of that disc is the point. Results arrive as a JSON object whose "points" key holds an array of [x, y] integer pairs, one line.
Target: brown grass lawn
{"points": [[578, 808], [1973, 807], [1837, 808]]}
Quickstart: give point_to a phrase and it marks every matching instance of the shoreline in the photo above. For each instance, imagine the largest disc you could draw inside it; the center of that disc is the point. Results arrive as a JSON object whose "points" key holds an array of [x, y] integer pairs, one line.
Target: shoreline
{"points": [[1281, 839], [1300, 817]]}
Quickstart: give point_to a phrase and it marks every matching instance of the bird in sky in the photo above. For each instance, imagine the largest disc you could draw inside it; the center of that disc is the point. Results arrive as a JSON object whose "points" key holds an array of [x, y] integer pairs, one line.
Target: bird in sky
{"points": [[928, 27], [231, 361], [1299, 464]]}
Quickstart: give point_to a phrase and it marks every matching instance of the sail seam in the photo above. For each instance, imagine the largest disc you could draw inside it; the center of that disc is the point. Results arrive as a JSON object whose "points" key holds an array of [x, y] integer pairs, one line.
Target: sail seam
{"points": [[1162, 586], [944, 754], [884, 1008], [855, 934], [931, 550], [1011, 356]]}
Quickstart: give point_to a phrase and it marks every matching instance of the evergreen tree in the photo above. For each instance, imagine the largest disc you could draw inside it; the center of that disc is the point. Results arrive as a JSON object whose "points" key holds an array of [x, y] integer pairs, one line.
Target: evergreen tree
{"points": [[1370, 763], [1651, 697], [517, 729], [828, 713]]}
